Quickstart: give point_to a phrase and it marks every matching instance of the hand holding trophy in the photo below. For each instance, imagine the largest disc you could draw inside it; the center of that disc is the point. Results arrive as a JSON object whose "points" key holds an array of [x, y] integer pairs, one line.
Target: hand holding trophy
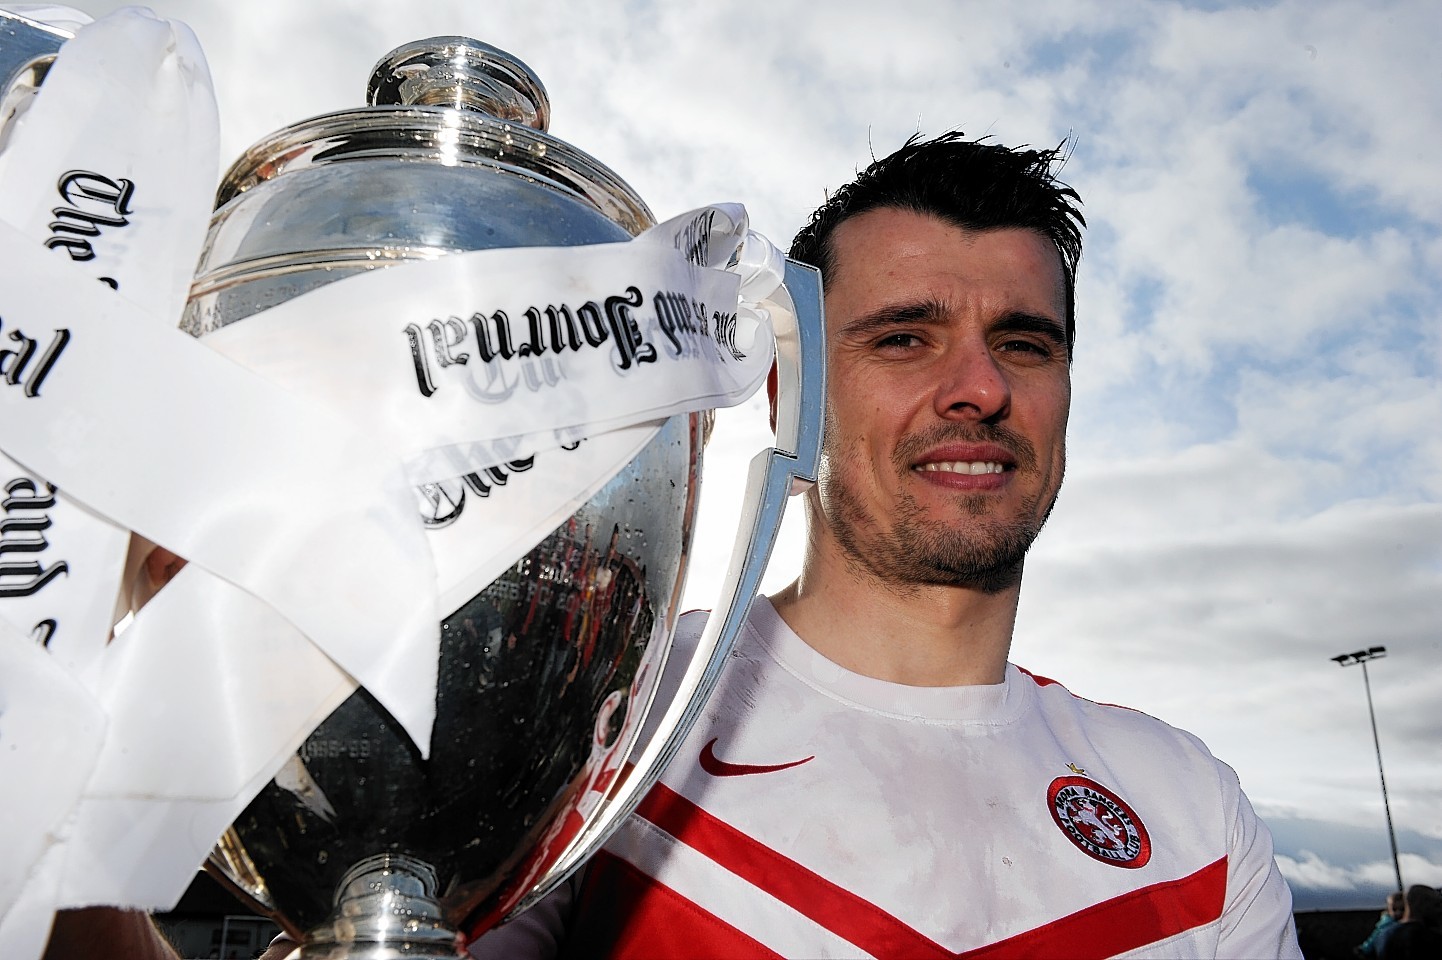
{"points": [[427, 302]]}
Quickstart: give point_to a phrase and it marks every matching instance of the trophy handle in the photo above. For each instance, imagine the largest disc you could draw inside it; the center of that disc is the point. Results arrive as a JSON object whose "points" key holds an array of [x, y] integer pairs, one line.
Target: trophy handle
{"points": [[774, 475]]}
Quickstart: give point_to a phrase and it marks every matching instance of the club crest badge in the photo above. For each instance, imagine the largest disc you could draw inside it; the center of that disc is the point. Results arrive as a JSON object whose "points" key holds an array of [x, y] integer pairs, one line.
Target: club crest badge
{"points": [[1099, 822]]}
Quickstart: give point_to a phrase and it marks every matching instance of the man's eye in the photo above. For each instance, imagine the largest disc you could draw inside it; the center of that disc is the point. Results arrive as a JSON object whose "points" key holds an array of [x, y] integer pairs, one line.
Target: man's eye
{"points": [[1025, 346], [899, 340]]}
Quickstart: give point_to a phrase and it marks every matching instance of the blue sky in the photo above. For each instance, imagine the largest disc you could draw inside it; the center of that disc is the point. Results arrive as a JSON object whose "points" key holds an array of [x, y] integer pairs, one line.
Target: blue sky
{"points": [[1256, 461]]}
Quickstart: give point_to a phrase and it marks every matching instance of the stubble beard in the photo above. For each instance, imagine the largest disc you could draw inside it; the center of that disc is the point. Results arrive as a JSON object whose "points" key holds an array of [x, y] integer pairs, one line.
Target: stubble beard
{"points": [[986, 554]]}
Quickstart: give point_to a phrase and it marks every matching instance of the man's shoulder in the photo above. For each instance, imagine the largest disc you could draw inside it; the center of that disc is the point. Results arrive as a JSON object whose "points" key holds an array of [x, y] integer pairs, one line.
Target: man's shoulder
{"points": [[1105, 721], [687, 634], [691, 623]]}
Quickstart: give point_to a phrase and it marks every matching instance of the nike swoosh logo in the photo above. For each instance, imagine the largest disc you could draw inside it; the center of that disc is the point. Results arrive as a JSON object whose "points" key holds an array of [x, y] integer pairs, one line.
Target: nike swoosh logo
{"points": [[720, 768]]}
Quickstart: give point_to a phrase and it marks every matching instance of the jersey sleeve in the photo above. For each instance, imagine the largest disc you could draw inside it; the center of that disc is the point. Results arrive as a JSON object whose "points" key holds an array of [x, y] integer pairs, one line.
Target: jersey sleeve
{"points": [[1257, 916]]}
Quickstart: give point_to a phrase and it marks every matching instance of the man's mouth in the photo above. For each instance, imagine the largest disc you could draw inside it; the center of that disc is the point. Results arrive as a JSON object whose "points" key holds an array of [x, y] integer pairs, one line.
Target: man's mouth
{"points": [[966, 459], [970, 467]]}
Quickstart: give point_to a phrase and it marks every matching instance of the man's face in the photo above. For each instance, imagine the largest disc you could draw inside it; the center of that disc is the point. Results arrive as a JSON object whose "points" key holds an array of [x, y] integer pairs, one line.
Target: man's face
{"points": [[948, 390]]}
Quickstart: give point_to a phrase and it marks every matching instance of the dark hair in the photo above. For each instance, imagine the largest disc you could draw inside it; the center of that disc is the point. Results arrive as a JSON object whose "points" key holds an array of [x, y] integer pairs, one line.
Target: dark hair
{"points": [[1423, 902], [969, 183]]}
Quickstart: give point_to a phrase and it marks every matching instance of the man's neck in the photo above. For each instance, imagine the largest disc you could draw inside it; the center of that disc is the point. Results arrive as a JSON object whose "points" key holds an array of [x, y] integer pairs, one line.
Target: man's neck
{"points": [[925, 635]]}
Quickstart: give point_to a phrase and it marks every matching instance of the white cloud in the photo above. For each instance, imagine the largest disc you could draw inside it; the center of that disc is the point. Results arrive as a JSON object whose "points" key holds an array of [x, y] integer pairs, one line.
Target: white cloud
{"points": [[1313, 873]]}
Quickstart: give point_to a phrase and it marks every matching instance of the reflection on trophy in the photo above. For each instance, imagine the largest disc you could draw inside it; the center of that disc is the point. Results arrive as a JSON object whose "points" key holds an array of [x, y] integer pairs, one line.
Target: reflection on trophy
{"points": [[359, 846]]}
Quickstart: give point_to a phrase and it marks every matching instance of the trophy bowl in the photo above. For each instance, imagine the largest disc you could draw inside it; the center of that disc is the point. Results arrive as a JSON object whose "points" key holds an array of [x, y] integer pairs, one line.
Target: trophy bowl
{"points": [[359, 846], [539, 673]]}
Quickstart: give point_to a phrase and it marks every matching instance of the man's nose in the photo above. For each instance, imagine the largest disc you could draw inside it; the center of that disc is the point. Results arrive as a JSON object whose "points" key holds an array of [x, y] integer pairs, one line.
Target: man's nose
{"points": [[973, 385]]}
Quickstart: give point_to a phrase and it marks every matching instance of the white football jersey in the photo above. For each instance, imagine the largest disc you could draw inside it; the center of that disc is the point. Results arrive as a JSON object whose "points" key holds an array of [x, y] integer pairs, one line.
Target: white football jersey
{"points": [[813, 812]]}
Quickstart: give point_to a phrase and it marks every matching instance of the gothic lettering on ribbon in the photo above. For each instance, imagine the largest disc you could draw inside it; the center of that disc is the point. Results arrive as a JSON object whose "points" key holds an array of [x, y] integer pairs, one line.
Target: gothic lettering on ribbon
{"points": [[25, 568], [21, 365], [539, 333], [694, 239], [681, 319], [444, 501], [540, 336], [686, 324], [725, 327], [92, 202]]}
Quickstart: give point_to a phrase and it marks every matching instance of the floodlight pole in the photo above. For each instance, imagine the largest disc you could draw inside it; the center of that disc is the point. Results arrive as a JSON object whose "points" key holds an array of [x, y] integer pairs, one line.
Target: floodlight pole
{"points": [[1347, 660]]}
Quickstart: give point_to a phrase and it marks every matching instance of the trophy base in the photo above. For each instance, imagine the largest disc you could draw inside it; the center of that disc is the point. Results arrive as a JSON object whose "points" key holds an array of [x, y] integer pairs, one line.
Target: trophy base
{"points": [[371, 951], [385, 909]]}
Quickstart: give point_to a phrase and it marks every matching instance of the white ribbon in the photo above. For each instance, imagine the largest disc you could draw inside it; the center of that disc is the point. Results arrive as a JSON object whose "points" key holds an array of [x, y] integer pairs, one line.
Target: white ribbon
{"points": [[279, 456], [72, 173], [60, 566], [51, 732], [399, 350], [480, 358]]}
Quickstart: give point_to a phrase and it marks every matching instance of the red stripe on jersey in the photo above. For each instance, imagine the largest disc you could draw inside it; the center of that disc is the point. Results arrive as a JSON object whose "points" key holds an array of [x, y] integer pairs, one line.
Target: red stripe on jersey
{"points": [[1040, 680], [1048, 681], [625, 915], [838, 910], [1123, 923], [1145, 915]]}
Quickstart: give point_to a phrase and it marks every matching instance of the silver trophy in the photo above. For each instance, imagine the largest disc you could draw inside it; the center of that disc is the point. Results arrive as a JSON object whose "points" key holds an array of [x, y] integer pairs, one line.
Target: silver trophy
{"points": [[359, 847]]}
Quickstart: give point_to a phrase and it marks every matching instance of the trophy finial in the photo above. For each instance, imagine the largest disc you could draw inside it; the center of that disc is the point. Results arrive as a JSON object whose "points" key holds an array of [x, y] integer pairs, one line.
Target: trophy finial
{"points": [[462, 73]]}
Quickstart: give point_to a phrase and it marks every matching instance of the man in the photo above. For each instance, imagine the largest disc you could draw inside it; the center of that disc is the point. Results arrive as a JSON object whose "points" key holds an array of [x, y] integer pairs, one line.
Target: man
{"points": [[1416, 936], [871, 777], [1391, 914]]}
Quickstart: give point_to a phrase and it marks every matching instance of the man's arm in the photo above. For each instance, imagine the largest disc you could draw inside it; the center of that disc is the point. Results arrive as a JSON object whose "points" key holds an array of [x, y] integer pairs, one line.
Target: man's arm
{"points": [[1257, 917], [93, 932]]}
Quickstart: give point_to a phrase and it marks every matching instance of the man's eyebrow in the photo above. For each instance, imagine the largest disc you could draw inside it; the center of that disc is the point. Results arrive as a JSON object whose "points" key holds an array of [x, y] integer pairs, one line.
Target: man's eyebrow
{"points": [[911, 313], [1018, 322], [928, 312]]}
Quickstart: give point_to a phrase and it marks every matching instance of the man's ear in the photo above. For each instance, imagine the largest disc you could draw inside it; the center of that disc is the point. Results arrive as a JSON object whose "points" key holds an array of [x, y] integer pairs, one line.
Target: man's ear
{"points": [[771, 394]]}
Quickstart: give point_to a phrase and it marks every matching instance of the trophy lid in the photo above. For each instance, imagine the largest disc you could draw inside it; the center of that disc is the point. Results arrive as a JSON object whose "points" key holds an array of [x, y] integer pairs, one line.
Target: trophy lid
{"points": [[452, 101], [462, 73]]}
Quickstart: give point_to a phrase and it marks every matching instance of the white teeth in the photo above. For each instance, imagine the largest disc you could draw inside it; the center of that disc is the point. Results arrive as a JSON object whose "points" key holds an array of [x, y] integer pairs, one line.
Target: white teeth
{"points": [[963, 466]]}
